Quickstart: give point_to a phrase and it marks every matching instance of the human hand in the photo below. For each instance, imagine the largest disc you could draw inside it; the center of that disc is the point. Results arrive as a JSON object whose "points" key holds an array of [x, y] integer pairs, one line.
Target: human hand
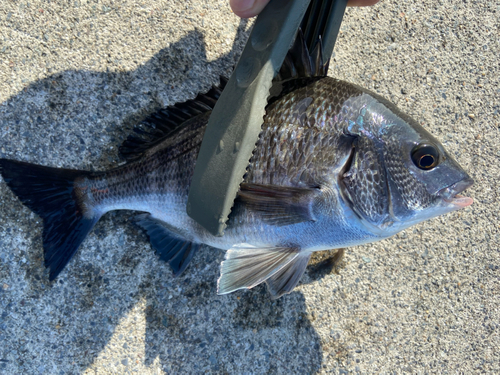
{"points": [[250, 8]]}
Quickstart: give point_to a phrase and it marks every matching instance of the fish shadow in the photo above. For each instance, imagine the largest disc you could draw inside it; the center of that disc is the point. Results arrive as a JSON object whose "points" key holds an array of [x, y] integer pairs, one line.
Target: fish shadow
{"points": [[242, 332], [77, 119]]}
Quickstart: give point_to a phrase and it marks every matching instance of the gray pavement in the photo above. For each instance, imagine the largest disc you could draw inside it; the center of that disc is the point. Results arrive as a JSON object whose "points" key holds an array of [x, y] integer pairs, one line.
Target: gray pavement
{"points": [[75, 76]]}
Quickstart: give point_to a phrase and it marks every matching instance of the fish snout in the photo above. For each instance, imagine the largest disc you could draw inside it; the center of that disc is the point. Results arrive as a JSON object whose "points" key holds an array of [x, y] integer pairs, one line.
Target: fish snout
{"points": [[451, 193]]}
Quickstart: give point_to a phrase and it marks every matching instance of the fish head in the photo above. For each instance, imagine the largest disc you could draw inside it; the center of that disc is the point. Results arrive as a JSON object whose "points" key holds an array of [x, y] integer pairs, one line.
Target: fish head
{"points": [[399, 174]]}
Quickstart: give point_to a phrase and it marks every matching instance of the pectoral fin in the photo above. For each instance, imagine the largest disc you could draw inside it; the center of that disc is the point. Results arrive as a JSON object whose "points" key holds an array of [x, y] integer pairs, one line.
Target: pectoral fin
{"points": [[280, 205], [246, 266]]}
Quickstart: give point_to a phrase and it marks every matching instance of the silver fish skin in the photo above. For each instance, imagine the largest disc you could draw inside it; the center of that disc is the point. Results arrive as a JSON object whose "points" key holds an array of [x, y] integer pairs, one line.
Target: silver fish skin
{"points": [[335, 166]]}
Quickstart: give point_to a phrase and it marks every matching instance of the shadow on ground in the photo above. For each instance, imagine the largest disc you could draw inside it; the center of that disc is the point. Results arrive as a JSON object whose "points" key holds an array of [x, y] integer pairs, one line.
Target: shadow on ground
{"points": [[76, 119]]}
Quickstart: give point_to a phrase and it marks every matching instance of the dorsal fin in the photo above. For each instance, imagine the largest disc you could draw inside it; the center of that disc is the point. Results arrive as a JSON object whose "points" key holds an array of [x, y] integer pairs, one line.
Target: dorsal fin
{"points": [[160, 125], [299, 68], [302, 63]]}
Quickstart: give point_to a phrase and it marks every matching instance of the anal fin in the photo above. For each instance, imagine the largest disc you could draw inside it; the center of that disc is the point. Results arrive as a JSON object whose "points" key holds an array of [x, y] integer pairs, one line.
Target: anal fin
{"points": [[176, 251], [246, 266]]}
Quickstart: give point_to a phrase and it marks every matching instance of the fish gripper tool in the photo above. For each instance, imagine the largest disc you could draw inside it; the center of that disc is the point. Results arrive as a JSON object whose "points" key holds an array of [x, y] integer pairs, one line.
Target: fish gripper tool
{"points": [[235, 123]]}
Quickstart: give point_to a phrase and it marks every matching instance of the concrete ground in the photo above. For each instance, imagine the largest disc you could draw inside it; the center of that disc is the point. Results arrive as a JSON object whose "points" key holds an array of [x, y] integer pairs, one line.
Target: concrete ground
{"points": [[75, 76]]}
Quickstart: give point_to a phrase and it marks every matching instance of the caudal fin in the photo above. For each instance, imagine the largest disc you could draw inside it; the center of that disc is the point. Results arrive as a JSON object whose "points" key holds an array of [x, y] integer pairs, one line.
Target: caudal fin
{"points": [[51, 194]]}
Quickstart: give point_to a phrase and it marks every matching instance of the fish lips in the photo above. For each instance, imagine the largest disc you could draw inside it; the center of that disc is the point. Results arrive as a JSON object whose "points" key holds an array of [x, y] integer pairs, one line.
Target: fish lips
{"points": [[451, 194]]}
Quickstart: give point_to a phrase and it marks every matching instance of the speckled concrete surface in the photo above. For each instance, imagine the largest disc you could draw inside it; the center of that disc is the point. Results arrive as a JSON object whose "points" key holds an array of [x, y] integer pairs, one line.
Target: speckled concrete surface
{"points": [[75, 76]]}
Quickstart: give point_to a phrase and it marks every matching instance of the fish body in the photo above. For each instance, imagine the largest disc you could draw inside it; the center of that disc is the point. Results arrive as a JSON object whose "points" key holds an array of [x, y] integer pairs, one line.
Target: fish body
{"points": [[334, 166], [159, 182]]}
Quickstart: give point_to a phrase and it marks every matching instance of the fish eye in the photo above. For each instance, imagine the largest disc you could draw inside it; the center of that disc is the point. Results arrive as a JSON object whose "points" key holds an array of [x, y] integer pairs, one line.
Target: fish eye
{"points": [[425, 156]]}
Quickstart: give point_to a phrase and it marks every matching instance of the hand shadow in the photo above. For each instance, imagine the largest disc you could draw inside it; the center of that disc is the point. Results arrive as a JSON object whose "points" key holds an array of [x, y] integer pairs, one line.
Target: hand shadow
{"points": [[77, 119]]}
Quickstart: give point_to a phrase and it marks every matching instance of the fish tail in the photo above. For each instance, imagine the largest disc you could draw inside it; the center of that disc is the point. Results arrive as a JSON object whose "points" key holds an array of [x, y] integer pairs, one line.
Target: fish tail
{"points": [[54, 195]]}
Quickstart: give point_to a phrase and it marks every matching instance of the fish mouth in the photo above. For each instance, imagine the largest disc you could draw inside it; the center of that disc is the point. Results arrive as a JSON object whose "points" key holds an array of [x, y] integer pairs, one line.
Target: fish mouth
{"points": [[460, 201], [451, 194]]}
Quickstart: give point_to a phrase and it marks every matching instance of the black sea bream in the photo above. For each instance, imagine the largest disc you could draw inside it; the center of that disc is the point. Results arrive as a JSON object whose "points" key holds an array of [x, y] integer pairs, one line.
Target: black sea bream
{"points": [[335, 166]]}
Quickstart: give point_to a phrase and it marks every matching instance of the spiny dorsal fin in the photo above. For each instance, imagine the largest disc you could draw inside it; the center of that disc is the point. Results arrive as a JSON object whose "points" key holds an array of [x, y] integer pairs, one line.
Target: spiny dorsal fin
{"points": [[299, 68], [302, 63], [160, 125]]}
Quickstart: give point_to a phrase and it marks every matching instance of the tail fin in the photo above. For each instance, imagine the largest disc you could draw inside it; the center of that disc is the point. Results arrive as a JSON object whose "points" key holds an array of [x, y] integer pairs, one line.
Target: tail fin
{"points": [[51, 194]]}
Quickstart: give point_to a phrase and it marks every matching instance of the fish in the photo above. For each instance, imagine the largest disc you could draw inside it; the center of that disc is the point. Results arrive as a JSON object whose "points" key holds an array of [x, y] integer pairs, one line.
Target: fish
{"points": [[335, 166]]}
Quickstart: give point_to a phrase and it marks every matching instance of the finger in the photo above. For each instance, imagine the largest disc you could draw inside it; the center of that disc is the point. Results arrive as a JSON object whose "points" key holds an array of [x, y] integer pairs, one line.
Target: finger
{"points": [[247, 8], [250, 8]]}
